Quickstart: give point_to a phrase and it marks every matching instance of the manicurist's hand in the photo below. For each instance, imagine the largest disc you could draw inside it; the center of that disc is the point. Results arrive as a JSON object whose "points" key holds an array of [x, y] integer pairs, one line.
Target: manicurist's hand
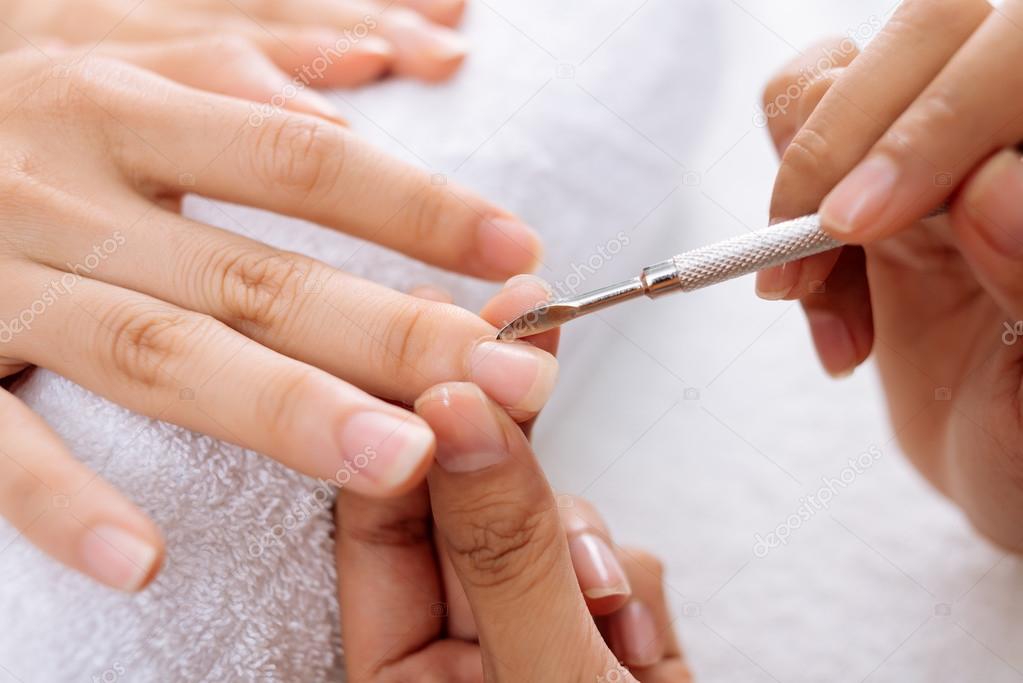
{"points": [[931, 112], [106, 284], [331, 42], [522, 571]]}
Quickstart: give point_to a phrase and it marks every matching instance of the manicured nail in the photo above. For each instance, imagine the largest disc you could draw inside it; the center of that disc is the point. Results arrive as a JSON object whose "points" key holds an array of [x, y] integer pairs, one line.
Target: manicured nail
{"points": [[854, 206], [599, 572], [507, 246], [635, 635], [381, 452], [517, 375], [834, 342], [117, 557], [775, 283], [469, 437], [992, 201]]}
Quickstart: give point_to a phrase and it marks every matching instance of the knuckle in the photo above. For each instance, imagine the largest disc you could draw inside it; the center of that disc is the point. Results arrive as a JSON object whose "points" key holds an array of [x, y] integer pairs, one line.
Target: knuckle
{"points": [[407, 339], [380, 527], [24, 496], [501, 540], [260, 288], [808, 155], [147, 342], [428, 216], [287, 393], [300, 154]]}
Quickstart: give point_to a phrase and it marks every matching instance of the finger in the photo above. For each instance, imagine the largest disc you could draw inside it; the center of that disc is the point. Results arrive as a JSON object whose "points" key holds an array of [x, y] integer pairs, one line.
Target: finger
{"points": [[446, 12], [862, 105], [318, 56], [496, 513], [796, 279], [394, 346], [800, 81], [840, 315], [303, 166], [642, 632], [602, 578], [987, 221], [65, 510], [934, 145], [388, 586], [228, 65], [460, 622], [191, 370], [520, 294], [422, 49]]}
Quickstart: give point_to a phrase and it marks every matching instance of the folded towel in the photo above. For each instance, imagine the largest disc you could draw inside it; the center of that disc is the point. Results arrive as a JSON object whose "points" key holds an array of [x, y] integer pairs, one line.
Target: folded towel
{"points": [[536, 122]]}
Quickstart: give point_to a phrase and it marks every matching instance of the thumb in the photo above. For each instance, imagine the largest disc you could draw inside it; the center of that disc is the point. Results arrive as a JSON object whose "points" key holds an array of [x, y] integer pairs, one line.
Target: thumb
{"points": [[988, 223], [498, 519]]}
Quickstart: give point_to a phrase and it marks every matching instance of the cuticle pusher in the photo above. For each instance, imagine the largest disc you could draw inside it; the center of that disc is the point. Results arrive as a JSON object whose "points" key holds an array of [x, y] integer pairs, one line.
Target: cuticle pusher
{"points": [[747, 253]]}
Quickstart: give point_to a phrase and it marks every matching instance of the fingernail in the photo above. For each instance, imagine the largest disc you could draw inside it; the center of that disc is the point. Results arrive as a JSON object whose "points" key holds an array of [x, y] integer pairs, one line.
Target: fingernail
{"points": [[445, 45], [315, 103], [855, 205], [600, 574], [507, 246], [517, 375], [117, 557], [469, 437], [382, 452], [530, 281], [834, 342], [992, 201], [373, 45], [775, 283], [635, 635]]}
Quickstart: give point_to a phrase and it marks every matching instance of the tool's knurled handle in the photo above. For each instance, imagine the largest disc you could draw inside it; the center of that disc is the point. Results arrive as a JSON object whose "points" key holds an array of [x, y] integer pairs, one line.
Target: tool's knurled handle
{"points": [[753, 251]]}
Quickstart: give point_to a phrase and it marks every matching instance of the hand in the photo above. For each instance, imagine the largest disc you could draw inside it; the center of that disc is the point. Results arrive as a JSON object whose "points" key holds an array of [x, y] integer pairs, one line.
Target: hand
{"points": [[502, 565], [498, 525], [928, 113], [208, 329], [339, 42]]}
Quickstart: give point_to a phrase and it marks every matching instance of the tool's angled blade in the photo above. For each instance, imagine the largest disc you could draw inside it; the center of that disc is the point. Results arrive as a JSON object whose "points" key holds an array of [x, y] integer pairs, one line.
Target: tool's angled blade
{"points": [[544, 317]]}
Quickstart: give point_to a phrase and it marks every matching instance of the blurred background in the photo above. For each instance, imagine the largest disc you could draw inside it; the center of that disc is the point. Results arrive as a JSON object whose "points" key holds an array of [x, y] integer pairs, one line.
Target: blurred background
{"points": [[702, 426]]}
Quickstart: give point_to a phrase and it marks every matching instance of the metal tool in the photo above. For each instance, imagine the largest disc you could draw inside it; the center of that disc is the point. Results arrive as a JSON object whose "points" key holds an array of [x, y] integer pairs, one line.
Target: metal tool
{"points": [[710, 265]]}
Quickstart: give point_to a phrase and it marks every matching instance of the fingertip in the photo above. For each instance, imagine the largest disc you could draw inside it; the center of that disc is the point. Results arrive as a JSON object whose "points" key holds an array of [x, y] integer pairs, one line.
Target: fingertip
{"points": [[834, 341], [120, 557], [505, 246], [774, 284]]}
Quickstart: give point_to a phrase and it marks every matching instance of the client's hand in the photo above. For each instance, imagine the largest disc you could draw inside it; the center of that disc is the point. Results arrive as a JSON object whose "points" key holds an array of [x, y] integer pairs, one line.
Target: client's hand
{"points": [[332, 42], [929, 112], [209, 329], [497, 519]]}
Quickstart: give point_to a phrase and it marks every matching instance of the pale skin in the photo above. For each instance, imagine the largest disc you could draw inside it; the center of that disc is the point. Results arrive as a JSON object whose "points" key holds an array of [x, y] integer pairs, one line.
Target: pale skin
{"points": [[931, 298], [108, 285]]}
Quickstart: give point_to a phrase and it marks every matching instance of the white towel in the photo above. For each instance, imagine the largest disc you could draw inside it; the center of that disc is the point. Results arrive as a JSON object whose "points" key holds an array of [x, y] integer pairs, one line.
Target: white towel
{"points": [[574, 114]]}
